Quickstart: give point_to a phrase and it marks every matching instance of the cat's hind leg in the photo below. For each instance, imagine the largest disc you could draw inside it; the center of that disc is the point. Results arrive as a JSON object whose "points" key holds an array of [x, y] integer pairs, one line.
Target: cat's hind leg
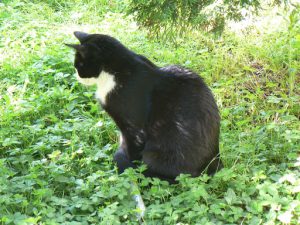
{"points": [[123, 163], [160, 168], [149, 172]]}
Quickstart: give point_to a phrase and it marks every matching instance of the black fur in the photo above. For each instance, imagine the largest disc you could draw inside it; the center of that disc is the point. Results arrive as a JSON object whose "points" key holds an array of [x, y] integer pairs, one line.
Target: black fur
{"points": [[167, 116]]}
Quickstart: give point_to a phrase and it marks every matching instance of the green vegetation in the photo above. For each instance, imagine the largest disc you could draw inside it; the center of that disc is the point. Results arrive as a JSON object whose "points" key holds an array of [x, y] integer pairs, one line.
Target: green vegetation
{"points": [[170, 19], [56, 144]]}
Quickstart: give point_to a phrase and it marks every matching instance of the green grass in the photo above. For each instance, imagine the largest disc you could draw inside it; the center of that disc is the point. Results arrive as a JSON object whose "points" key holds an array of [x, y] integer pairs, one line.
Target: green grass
{"points": [[56, 144]]}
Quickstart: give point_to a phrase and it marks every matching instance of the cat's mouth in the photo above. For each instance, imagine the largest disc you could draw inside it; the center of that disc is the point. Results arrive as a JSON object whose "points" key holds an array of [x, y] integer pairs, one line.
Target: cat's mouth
{"points": [[86, 81]]}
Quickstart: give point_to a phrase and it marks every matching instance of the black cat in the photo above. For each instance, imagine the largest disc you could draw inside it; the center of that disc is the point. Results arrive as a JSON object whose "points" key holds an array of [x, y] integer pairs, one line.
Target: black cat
{"points": [[167, 116]]}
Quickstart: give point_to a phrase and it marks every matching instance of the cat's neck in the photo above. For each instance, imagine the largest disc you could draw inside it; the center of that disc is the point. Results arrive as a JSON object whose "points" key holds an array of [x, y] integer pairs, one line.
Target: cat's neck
{"points": [[129, 65]]}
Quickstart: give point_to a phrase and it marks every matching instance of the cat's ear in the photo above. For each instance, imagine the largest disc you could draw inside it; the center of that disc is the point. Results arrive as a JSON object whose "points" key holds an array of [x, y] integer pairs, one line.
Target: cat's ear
{"points": [[79, 48], [75, 46], [81, 35]]}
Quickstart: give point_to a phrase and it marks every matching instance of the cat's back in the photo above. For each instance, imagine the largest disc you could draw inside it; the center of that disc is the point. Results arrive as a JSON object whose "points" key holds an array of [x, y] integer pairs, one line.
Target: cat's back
{"points": [[179, 72], [183, 93], [182, 79], [182, 83]]}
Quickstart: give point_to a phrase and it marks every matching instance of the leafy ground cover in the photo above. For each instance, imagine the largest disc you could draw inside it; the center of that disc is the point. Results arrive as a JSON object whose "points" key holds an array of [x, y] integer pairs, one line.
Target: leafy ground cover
{"points": [[56, 144]]}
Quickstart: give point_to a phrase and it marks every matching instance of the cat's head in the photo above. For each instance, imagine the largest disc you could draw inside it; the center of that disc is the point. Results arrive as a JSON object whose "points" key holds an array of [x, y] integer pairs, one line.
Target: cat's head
{"points": [[91, 55]]}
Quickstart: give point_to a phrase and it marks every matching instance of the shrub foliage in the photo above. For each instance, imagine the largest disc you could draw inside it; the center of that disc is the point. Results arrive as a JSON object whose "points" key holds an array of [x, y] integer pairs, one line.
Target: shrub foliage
{"points": [[167, 18]]}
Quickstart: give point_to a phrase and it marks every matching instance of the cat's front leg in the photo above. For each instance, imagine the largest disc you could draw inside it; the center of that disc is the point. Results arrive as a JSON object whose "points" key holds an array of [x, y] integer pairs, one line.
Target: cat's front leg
{"points": [[128, 152], [122, 160], [132, 143]]}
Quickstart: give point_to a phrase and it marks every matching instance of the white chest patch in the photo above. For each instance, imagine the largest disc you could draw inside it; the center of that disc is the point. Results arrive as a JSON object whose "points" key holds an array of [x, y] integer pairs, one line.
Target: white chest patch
{"points": [[105, 84]]}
